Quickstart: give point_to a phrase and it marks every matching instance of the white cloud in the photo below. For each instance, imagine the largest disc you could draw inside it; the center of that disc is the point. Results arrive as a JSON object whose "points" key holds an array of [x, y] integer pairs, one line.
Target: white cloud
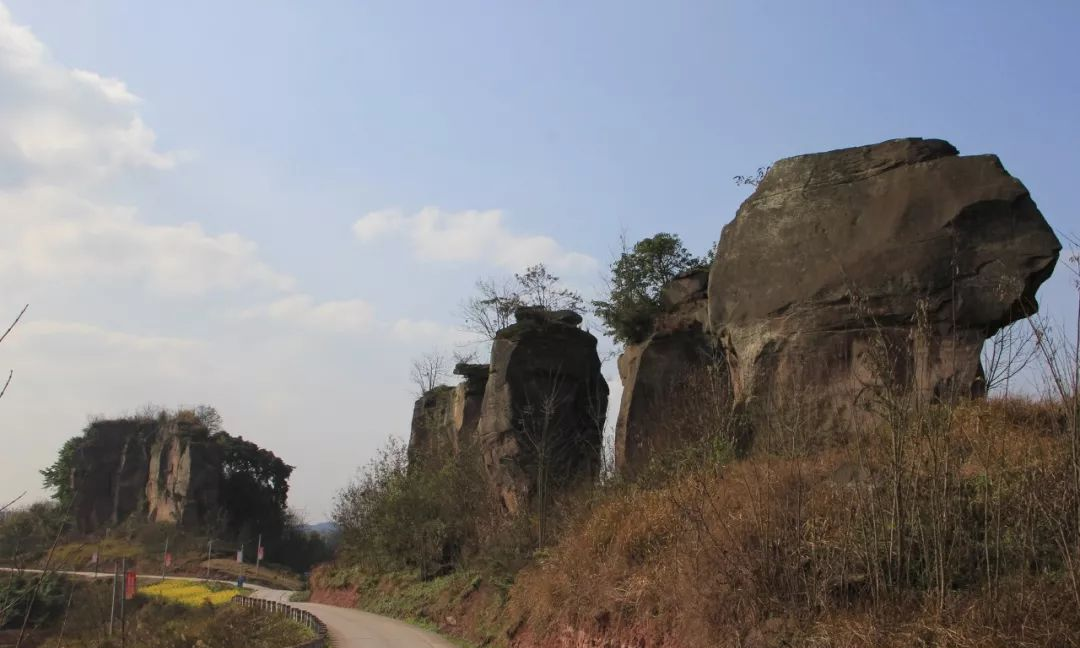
{"points": [[427, 333], [377, 223], [346, 316], [68, 123], [52, 233], [100, 337], [114, 90], [436, 235], [64, 134]]}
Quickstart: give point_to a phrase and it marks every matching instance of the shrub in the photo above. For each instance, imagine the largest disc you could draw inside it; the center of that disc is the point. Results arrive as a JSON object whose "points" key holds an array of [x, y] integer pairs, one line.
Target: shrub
{"points": [[637, 277], [427, 516]]}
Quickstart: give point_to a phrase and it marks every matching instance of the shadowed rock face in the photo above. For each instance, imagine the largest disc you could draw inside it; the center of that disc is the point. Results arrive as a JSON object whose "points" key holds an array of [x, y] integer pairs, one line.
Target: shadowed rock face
{"points": [[668, 376], [445, 418], [543, 409], [167, 471], [903, 245]]}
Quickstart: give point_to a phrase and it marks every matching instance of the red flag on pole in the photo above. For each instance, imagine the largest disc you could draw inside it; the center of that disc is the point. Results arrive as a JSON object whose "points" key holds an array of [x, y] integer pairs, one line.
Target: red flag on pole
{"points": [[130, 585], [168, 560]]}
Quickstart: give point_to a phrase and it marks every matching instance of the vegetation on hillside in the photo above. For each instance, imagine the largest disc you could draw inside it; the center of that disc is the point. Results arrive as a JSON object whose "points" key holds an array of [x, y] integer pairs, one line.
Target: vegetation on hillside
{"points": [[941, 521], [433, 520]]}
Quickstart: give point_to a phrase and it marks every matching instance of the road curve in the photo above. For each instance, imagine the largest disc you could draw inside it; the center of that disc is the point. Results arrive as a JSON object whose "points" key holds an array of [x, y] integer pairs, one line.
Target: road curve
{"points": [[351, 628], [348, 627]]}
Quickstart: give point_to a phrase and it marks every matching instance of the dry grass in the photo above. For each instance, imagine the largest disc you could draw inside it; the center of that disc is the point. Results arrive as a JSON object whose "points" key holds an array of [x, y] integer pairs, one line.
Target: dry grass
{"points": [[960, 540]]}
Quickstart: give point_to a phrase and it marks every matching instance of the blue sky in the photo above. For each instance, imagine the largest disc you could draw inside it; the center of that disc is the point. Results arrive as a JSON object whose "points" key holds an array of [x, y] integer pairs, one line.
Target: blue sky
{"points": [[528, 131]]}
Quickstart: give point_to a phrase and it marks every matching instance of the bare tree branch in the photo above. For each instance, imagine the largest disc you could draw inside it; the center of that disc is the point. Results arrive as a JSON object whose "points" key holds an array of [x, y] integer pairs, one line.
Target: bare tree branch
{"points": [[428, 371], [21, 313], [9, 504]]}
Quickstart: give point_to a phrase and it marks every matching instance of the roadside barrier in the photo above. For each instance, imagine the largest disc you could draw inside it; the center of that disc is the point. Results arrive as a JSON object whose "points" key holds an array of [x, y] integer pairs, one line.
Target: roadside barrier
{"points": [[296, 614]]}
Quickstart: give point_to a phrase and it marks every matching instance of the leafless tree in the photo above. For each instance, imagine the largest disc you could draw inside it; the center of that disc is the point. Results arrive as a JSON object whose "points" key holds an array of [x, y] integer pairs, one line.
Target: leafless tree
{"points": [[210, 417], [538, 287], [1007, 354], [428, 371], [465, 356], [492, 308]]}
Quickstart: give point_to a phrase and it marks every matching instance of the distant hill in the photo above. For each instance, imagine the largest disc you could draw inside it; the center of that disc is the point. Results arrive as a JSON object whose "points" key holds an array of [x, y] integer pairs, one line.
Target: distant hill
{"points": [[325, 529]]}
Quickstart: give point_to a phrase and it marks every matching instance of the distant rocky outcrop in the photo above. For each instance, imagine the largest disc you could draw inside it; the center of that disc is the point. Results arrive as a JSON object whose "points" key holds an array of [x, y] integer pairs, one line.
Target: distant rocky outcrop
{"points": [[668, 377], [162, 470], [887, 264], [445, 418], [542, 417]]}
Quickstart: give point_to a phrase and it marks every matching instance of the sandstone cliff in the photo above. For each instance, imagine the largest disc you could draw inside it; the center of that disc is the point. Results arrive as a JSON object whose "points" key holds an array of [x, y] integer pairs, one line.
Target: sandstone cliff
{"points": [[444, 419], [165, 469], [884, 265], [542, 418], [675, 387]]}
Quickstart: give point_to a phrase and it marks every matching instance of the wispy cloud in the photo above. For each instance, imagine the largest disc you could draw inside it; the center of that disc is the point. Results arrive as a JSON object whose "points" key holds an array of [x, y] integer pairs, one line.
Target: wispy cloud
{"points": [[346, 316], [469, 236]]}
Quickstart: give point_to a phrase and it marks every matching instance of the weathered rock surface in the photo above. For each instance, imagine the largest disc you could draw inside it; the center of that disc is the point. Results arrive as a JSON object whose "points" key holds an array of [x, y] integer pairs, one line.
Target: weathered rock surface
{"points": [[445, 418], [184, 474], [163, 470], [671, 377], [903, 245], [543, 409]]}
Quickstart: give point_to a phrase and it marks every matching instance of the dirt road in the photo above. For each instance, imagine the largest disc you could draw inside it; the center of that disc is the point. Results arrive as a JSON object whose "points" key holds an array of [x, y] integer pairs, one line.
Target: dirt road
{"points": [[348, 628], [351, 628]]}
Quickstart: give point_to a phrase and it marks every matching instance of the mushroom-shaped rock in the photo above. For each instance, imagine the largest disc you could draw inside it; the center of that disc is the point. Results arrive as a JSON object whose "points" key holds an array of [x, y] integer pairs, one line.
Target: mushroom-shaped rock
{"points": [[543, 410], [881, 265]]}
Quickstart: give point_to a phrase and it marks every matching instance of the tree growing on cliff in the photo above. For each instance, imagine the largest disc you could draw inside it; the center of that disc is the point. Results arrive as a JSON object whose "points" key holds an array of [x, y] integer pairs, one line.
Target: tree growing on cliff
{"points": [[492, 308], [637, 277], [428, 371], [57, 477]]}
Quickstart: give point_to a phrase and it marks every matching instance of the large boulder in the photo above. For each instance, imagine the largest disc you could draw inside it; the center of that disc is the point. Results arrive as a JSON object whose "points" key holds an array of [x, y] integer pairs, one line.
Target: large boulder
{"points": [[673, 381], [883, 265], [542, 419], [162, 470], [445, 418]]}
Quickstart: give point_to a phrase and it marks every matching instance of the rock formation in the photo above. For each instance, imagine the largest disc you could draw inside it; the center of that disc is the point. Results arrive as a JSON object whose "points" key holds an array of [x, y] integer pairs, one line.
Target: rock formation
{"points": [[184, 477], [887, 264], [542, 417], [445, 418], [166, 470], [672, 381]]}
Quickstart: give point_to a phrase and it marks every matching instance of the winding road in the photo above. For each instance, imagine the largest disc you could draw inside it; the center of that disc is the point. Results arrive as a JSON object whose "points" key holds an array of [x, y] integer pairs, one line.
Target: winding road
{"points": [[349, 628]]}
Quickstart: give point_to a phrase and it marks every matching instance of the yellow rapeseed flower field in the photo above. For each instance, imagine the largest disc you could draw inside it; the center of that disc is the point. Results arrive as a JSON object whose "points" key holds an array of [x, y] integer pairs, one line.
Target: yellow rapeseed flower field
{"points": [[192, 593]]}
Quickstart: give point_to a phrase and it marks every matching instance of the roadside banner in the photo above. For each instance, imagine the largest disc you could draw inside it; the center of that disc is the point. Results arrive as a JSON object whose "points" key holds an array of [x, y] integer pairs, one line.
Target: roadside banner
{"points": [[130, 584], [240, 556], [262, 552], [168, 560], [94, 559]]}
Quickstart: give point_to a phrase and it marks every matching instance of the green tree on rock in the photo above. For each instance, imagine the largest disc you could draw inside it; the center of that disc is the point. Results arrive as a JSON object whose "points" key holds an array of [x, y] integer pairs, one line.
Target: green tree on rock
{"points": [[637, 277]]}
